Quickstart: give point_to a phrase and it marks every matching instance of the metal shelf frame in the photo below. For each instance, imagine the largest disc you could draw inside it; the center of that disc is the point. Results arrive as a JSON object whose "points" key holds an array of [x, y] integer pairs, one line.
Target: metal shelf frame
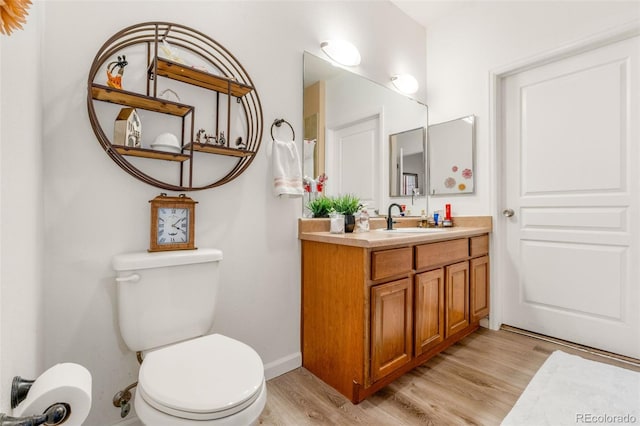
{"points": [[232, 81]]}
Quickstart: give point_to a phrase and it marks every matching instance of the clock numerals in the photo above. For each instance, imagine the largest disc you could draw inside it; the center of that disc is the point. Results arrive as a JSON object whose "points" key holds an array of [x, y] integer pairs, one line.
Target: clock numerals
{"points": [[173, 225]]}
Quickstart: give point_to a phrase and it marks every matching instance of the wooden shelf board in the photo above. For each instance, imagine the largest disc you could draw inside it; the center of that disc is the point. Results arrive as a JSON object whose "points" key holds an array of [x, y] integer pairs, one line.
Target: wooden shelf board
{"points": [[180, 72], [222, 150], [136, 100], [150, 153]]}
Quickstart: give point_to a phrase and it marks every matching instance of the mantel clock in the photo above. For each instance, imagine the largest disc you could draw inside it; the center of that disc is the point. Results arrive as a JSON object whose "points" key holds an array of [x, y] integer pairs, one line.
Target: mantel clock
{"points": [[172, 223]]}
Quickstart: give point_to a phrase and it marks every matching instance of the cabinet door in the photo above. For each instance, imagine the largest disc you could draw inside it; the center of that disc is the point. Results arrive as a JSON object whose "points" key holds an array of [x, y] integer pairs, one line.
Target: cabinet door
{"points": [[391, 331], [457, 295], [479, 288], [429, 309]]}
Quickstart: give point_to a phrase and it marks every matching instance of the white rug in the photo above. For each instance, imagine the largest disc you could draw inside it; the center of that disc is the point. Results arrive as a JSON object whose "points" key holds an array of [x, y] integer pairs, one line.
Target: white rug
{"points": [[570, 390]]}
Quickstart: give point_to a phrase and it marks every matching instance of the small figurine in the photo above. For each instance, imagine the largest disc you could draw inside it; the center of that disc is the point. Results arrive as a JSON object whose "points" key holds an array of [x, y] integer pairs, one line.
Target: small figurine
{"points": [[239, 143], [127, 129], [221, 140], [210, 139], [115, 81], [201, 136]]}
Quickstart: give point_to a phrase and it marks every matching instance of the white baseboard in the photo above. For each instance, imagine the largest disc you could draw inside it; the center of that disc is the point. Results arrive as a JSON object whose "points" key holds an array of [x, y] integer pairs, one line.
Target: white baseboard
{"points": [[282, 365]]}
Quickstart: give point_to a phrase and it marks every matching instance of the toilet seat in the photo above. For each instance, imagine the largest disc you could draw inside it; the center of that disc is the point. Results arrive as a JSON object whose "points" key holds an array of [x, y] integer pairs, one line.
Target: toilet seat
{"points": [[202, 379]]}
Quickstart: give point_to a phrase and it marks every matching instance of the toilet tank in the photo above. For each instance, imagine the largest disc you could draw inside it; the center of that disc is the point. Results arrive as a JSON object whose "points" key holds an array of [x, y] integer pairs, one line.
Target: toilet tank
{"points": [[165, 297]]}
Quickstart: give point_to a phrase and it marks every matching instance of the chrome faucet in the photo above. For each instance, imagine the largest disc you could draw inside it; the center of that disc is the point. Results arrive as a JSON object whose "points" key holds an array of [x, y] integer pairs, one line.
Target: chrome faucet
{"points": [[390, 221]]}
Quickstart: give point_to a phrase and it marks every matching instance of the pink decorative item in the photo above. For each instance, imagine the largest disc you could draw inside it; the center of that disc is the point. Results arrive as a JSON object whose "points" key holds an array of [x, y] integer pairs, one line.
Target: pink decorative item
{"points": [[449, 182]]}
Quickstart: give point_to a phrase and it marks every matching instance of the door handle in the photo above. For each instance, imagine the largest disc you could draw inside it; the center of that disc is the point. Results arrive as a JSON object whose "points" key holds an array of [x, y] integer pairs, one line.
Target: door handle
{"points": [[507, 212]]}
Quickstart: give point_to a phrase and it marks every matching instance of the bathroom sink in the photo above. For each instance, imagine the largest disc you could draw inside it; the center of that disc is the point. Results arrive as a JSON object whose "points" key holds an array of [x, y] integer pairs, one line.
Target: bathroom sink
{"points": [[414, 230]]}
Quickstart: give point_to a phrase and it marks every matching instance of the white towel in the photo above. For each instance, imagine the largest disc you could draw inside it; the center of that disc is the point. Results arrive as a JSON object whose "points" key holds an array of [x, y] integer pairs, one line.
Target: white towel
{"points": [[287, 171]]}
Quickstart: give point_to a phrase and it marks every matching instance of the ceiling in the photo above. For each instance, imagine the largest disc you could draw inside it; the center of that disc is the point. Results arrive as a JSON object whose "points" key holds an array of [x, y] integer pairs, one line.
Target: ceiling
{"points": [[427, 12]]}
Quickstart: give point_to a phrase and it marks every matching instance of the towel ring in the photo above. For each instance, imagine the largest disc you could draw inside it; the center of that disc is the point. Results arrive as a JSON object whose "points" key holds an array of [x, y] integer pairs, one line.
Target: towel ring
{"points": [[278, 122]]}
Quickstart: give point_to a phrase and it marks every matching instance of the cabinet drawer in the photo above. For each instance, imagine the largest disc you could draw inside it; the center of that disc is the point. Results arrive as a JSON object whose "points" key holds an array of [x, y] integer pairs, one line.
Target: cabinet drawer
{"points": [[387, 263], [479, 245], [434, 254]]}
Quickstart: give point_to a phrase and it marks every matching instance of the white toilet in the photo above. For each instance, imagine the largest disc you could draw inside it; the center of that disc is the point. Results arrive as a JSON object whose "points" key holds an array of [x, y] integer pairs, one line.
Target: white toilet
{"points": [[166, 303]]}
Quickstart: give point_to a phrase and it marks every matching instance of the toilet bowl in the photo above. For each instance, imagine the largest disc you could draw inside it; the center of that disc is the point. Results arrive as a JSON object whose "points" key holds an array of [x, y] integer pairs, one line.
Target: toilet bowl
{"points": [[211, 380], [166, 305]]}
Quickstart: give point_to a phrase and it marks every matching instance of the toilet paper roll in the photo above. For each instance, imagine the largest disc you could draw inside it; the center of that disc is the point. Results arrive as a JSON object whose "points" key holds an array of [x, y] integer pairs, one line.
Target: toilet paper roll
{"points": [[65, 383]]}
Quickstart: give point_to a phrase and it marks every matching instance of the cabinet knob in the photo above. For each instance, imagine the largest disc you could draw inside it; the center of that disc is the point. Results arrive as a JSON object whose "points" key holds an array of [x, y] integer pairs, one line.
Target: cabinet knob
{"points": [[507, 212]]}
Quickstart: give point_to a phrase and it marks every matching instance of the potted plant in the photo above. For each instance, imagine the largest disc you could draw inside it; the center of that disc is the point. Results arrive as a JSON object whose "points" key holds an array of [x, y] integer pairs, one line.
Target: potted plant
{"points": [[347, 205], [321, 206]]}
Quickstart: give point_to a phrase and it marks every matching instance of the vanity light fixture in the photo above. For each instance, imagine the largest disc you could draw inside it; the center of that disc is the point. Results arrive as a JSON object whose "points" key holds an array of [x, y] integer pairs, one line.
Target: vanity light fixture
{"points": [[342, 52], [405, 83]]}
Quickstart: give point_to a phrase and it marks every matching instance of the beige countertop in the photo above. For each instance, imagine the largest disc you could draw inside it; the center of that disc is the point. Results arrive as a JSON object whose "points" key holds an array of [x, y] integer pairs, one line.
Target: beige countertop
{"points": [[317, 230]]}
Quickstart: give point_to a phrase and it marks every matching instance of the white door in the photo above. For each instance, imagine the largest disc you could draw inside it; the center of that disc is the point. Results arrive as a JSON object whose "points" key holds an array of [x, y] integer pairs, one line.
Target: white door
{"points": [[354, 168], [570, 133]]}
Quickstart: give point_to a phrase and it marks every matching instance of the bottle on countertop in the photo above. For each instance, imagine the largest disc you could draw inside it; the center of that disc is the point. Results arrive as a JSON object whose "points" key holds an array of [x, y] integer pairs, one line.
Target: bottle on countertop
{"points": [[424, 222], [363, 220], [447, 222]]}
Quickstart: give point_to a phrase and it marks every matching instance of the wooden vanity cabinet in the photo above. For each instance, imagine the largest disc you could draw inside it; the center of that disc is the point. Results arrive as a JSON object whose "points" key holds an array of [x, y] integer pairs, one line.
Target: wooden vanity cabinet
{"points": [[479, 279], [479, 268], [371, 314], [429, 310], [391, 327], [457, 298], [334, 315]]}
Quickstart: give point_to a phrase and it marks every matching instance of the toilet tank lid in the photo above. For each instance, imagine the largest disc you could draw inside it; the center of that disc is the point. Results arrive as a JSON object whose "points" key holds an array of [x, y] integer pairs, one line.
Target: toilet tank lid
{"points": [[146, 260]]}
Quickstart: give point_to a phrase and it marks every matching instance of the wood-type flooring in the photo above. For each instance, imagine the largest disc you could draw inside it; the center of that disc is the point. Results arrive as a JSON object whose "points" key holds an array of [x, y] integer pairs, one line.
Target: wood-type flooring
{"points": [[474, 382]]}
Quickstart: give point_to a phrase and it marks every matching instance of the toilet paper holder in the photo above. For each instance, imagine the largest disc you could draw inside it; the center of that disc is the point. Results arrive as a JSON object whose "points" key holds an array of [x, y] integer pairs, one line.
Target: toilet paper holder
{"points": [[54, 415], [19, 390]]}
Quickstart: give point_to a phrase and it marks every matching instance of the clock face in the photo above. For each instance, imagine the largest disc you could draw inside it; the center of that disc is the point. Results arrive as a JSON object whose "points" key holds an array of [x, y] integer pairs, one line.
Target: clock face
{"points": [[173, 225]]}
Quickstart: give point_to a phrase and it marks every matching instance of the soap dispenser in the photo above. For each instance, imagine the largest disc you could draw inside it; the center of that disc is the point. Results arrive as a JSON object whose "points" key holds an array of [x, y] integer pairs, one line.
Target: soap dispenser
{"points": [[363, 220]]}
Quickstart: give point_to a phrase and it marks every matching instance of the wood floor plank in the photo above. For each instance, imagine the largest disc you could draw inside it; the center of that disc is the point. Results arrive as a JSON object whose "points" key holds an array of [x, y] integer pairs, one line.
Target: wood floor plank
{"points": [[474, 382]]}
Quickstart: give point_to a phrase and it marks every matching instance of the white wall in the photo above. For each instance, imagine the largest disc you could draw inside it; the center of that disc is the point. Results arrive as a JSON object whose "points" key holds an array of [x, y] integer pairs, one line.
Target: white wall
{"points": [[21, 206], [462, 49], [95, 210]]}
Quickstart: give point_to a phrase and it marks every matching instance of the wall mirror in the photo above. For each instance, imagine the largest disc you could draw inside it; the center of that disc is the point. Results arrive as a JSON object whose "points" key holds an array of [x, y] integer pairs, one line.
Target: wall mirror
{"points": [[348, 120], [452, 156], [407, 163]]}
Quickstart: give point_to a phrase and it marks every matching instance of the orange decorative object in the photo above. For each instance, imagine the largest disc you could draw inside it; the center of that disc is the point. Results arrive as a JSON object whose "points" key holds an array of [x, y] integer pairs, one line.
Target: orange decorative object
{"points": [[115, 80], [13, 14]]}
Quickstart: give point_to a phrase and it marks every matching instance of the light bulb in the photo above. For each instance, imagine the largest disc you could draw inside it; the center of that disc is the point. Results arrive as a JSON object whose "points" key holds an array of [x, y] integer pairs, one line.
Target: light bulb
{"points": [[405, 83], [342, 52]]}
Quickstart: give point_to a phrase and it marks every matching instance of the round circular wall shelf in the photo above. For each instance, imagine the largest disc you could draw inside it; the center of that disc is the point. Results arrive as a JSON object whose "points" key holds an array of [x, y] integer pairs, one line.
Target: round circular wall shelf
{"points": [[192, 61]]}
